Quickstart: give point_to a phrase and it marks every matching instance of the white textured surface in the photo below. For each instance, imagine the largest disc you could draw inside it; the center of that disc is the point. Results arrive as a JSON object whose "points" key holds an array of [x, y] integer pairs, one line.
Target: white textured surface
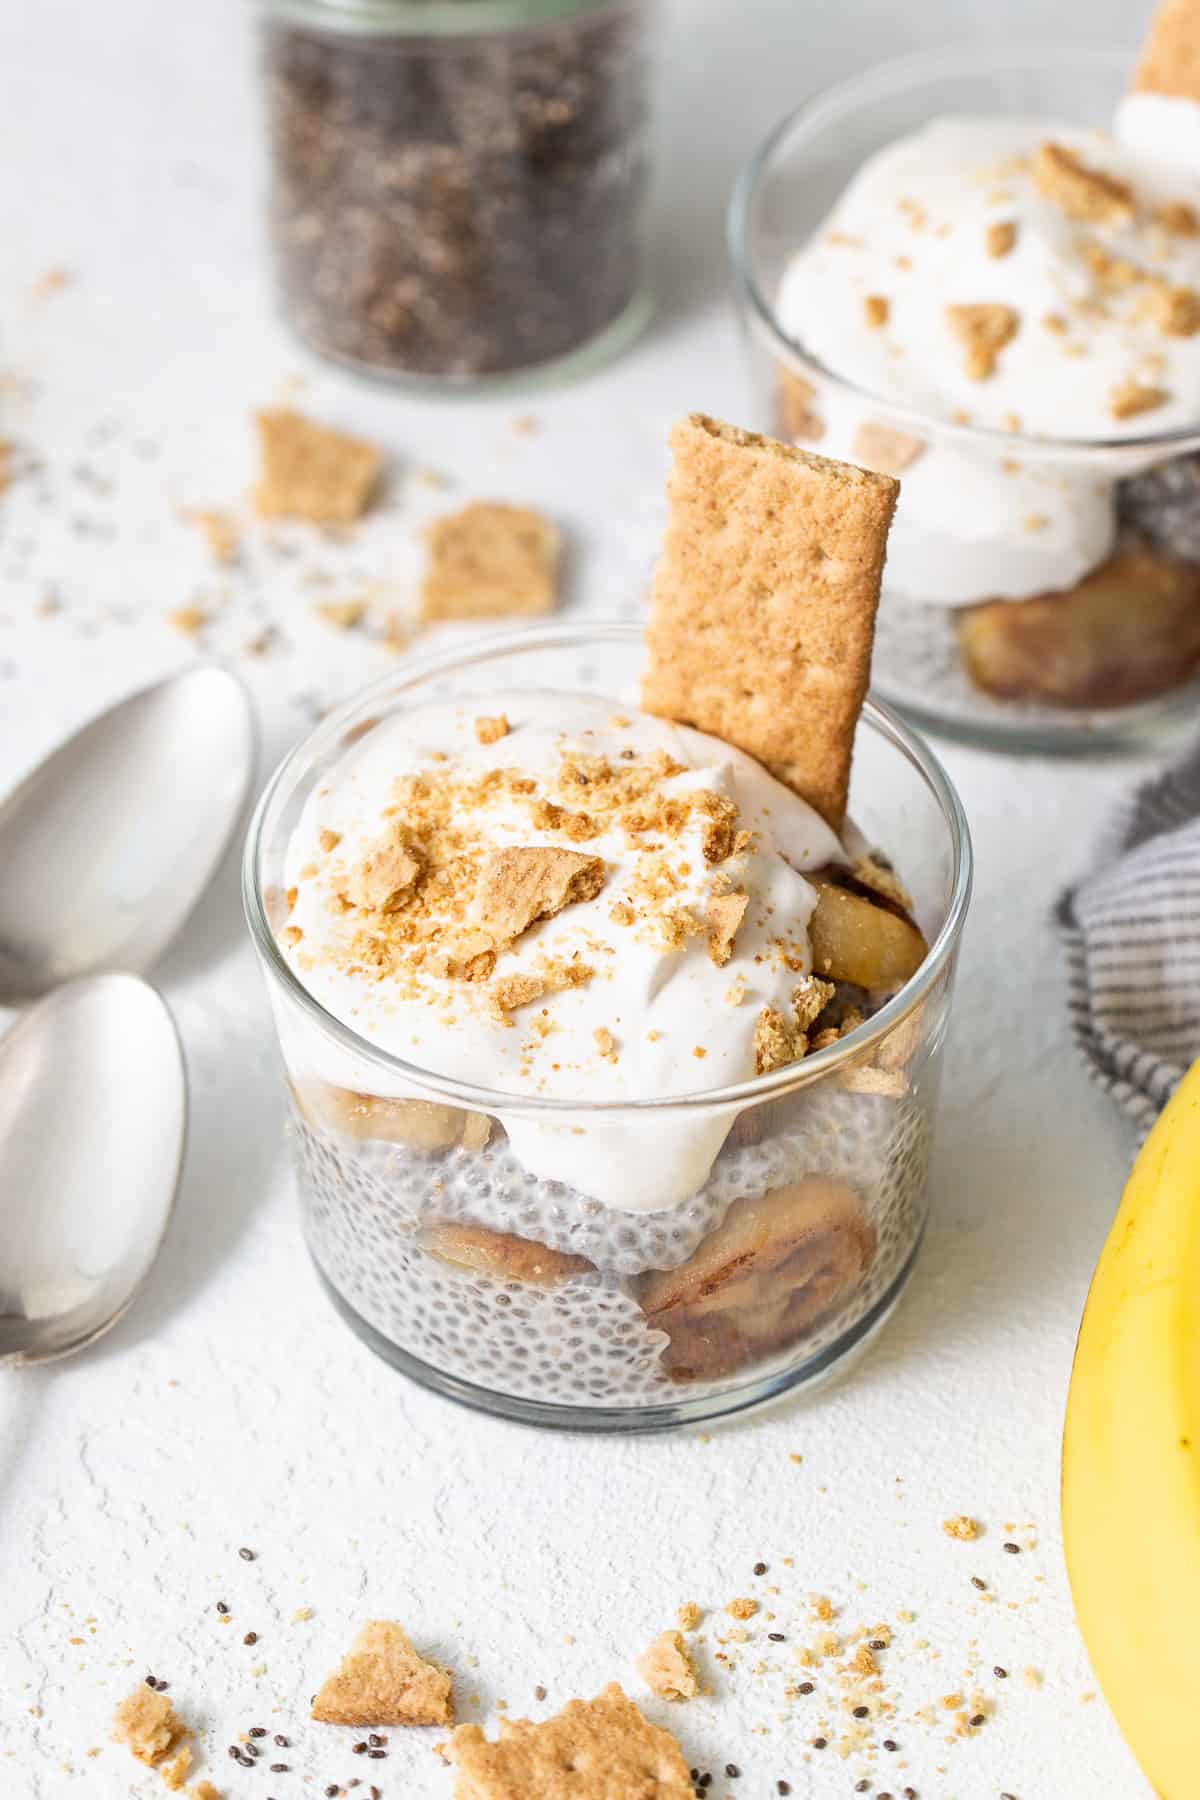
{"points": [[231, 1407]]}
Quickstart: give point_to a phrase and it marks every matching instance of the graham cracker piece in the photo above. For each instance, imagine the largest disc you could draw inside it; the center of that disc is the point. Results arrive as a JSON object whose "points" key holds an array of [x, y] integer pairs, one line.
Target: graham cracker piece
{"points": [[723, 915], [203, 1790], [1081, 193], [383, 1681], [984, 330], [491, 730], [885, 449], [146, 1723], [490, 561], [1170, 59], [388, 874], [667, 1669], [309, 471], [763, 617], [601, 1749], [521, 885]]}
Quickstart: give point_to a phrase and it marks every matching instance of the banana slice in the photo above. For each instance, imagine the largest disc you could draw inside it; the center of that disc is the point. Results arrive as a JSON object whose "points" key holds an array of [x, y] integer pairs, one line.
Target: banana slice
{"points": [[776, 1265], [502, 1255], [421, 1124], [854, 940]]}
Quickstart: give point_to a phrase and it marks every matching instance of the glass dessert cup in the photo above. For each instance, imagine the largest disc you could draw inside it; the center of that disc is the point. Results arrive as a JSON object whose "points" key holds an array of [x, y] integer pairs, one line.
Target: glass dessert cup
{"points": [[528, 1299], [1131, 625]]}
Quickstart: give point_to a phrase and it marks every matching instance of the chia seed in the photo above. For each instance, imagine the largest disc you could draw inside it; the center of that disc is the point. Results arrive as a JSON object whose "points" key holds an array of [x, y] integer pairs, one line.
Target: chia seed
{"points": [[456, 206]]}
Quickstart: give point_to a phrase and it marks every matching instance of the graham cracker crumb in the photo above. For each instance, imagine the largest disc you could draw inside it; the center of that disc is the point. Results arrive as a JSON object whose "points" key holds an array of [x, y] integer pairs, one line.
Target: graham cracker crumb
{"points": [[763, 615], [1132, 398], [591, 1750], [1175, 310], [191, 620], [308, 471], [1080, 192], [606, 1044], [146, 1723], [798, 416], [329, 841], [876, 310], [383, 1681], [344, 615], [744, 1608], [984, 330], [667, 1669], [689, 1616], [220, 532], [490, 561], [176, 1773], [204, 1790], [776, 1042], [1170, 59], [723, 917], [962, 1527], [1000, 237], [519, 886], [885, 449], [51, 282], [491, 730]]}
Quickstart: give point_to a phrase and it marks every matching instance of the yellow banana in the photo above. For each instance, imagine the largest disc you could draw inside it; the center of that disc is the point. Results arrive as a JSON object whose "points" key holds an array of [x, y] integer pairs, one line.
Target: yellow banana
{"points": [[1131, 1456]]}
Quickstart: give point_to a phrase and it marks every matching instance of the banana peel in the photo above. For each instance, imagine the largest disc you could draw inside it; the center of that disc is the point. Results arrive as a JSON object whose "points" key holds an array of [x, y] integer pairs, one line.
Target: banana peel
{"points": [[1131, 1456]]}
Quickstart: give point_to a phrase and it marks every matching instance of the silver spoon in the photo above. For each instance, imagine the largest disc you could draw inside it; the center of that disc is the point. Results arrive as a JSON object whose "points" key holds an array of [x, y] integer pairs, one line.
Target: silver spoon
{"points": [[108, 844], [93, 1112]]}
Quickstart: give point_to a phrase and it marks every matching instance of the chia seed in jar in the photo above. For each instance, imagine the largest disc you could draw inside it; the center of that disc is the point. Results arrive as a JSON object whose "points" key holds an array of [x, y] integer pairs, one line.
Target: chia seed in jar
{"points": [[456, 184]]}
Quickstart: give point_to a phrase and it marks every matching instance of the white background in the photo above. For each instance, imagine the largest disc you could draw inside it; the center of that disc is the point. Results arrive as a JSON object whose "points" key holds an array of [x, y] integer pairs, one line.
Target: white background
{"points": [[231, 1407]]}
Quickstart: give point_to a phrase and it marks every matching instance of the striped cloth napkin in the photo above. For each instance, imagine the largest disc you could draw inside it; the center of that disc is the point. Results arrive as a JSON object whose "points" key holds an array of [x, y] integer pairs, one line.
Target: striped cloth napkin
{"points": [[1132, 934]]}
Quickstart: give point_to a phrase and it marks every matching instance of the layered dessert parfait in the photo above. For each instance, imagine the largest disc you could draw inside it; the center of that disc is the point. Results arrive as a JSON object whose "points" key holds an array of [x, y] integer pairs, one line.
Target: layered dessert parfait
{"points": [[1040, 283], [630, 930]]}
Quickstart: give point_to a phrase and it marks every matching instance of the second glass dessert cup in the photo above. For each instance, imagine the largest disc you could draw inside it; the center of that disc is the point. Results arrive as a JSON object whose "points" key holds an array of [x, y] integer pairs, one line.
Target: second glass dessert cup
{"points": [[783, 198], [530, 1299]]}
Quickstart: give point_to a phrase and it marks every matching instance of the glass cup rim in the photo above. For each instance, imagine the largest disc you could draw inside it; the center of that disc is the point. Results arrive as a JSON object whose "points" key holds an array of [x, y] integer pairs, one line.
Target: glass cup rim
{"points": [[887, 77], [426, 19], [878, 717]]}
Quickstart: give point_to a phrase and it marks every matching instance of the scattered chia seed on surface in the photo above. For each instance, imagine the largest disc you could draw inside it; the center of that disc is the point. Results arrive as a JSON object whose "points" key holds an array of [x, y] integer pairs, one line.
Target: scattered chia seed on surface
{"points": [[283, 1742], [251, 1637], [978, 1720], [1012, 1549], [246, 1555], [732, 1770], [539, 1692], [890, 1744], [820, 1743], [806, 1687], [777, 1637], [861, 1712], [1001, 1674], [977, 1583], [760, 1568]]}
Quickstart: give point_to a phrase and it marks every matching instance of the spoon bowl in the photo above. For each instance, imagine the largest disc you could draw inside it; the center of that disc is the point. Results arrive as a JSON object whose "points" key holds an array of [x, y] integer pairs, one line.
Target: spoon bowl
{"points": [[108, 844], [93, 1113]]}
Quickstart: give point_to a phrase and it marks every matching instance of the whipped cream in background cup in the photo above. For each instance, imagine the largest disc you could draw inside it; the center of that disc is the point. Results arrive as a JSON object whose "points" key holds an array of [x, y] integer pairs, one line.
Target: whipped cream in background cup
{"points": [[543, 1257], [972, 494]]}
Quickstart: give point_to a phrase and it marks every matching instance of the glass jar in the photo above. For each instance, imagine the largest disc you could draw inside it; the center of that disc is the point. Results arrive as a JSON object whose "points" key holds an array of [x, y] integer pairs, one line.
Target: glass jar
{"points": [[456, 185], [523, 1296], [1120, 664]]}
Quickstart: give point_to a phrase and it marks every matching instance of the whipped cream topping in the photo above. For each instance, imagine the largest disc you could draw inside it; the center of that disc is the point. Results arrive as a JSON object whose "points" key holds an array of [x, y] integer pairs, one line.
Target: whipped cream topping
{"points": [[974, 278], [653, 1014]]}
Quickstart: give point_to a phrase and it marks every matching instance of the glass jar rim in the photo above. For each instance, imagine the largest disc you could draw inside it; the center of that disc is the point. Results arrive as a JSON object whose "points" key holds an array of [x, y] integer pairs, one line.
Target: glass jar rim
{"points": [[879, 718], [1099, 455], [432, 18]]}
